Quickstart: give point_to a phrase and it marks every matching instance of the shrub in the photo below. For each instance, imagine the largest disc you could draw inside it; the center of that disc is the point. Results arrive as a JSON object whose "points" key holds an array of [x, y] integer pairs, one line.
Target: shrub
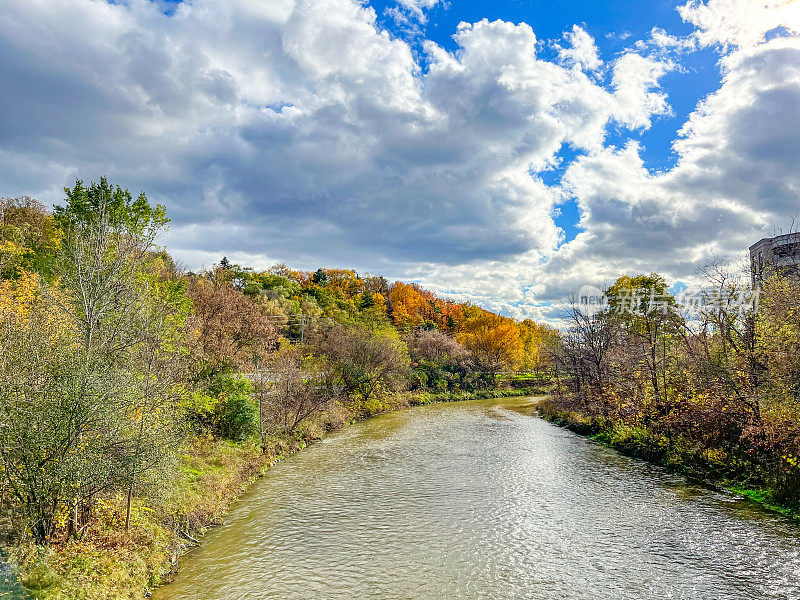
{"points": [[225, 408]]}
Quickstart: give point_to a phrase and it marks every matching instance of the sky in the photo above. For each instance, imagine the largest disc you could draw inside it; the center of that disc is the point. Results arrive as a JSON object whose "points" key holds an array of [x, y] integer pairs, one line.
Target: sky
{"points": [[504, 153]]}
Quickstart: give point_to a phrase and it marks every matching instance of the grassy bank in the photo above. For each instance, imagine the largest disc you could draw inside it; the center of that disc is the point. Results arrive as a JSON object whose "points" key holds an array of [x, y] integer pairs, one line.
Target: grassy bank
{"points": [[710, 467], [108, 562], [422, 398]]}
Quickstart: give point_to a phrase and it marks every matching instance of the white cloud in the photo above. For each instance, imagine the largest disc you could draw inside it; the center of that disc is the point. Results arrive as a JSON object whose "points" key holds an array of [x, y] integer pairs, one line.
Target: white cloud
{"points": [[621, 36], [410, 15], [302, 122], [735, 182], [736, 179], [417, 8], [635, 82], [298, 130], [664, 41], [740, 22], [582, 50]]}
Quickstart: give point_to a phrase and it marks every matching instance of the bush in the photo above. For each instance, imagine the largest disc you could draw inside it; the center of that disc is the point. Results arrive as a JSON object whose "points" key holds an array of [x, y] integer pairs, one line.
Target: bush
{"points": [[239, 417], [226, 408]]}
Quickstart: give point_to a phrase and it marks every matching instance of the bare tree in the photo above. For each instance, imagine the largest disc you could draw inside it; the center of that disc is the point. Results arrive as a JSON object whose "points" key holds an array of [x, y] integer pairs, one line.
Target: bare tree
{"points": [[290, 389], [436, 347], [363, 363], [587, 344]]}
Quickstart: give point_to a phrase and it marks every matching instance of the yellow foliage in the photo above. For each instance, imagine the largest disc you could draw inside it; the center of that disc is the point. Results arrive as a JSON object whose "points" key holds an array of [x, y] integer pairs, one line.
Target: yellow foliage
{"points": [[24, 305], [11, 253], [494, 340], [17, 298], [379, 302], [531, 339], [407, 305]]}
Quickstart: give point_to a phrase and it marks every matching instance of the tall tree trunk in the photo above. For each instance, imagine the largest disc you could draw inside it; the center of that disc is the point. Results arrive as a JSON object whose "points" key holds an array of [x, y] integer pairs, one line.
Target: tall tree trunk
{"points": [[72, 530], [128, 502]]}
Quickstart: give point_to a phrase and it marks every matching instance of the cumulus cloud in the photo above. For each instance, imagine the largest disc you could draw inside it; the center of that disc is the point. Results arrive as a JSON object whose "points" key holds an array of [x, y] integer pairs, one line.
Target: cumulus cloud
{"points": [[302, 123], [300, 130], [736, 181], [635, 82], [736, 178]]}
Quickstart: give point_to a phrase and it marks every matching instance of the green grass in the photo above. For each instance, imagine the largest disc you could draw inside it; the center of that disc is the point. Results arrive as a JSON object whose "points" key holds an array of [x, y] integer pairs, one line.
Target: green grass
{"points": [[764, 497], [542, 378], [423, 398], [110, 563]]}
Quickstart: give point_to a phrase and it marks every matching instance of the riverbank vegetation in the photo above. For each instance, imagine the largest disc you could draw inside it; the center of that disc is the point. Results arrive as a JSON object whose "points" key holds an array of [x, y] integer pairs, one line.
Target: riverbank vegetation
{"points": [[711, 390], [138, 399]]}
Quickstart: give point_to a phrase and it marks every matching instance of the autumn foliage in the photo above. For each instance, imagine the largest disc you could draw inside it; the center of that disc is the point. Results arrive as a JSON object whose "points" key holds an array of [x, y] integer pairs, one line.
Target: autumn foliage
{"points": [[115, 365], [712, 392]]}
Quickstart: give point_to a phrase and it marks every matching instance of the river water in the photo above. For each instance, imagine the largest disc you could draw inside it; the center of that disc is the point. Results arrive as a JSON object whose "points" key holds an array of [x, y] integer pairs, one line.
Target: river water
{"points": [[482, 500]]}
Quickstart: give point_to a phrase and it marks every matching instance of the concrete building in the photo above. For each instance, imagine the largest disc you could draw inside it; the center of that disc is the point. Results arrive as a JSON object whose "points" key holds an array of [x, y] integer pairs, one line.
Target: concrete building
{"points": [[780, 253]]}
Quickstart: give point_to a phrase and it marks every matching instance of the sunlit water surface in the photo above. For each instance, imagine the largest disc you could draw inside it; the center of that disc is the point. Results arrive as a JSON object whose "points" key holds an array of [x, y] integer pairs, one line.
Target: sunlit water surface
{"points": [[482, 500]]}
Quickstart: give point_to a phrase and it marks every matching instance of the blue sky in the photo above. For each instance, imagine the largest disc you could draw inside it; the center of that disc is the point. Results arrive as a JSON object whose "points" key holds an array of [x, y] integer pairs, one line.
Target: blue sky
{"points": [[614, 26], [503, 152]]}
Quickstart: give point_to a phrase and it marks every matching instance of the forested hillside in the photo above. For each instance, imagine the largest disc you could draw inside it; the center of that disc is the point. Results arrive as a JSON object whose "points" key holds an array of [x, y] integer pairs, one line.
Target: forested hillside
{"points": [[137, 398]]}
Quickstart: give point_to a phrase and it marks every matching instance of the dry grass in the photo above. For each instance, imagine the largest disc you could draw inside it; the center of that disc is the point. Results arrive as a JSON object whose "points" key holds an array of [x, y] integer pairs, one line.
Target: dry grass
{"points": [[110, 563]]}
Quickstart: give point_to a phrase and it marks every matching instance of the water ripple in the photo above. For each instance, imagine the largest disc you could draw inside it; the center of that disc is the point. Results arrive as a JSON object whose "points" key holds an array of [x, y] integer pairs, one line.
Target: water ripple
{"points": [[476, 500]]}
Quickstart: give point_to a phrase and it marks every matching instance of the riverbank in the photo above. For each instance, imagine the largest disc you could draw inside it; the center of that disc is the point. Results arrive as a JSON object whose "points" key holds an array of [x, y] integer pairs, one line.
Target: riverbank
{"points": [[707, 467], [110, 563]]}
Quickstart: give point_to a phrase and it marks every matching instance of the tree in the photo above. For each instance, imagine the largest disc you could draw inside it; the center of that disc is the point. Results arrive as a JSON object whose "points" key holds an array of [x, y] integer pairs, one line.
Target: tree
{"points": [[725, 352], [155, 371], [586, 348], [778, 338], [494, 341], [439, 362], [231, 330], [58, 413], [363, 364], [549, 342], [36, 446], [108, 241], [407, 305], [89, 366], [531, 339], [128, 319], [291, 388], [436, 347], [647, 312], [28, 237], [320, 277]]}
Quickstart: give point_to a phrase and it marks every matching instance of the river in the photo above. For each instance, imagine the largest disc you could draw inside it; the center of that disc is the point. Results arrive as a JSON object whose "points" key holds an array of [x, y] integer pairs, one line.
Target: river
{"points": [[483, 500]]}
